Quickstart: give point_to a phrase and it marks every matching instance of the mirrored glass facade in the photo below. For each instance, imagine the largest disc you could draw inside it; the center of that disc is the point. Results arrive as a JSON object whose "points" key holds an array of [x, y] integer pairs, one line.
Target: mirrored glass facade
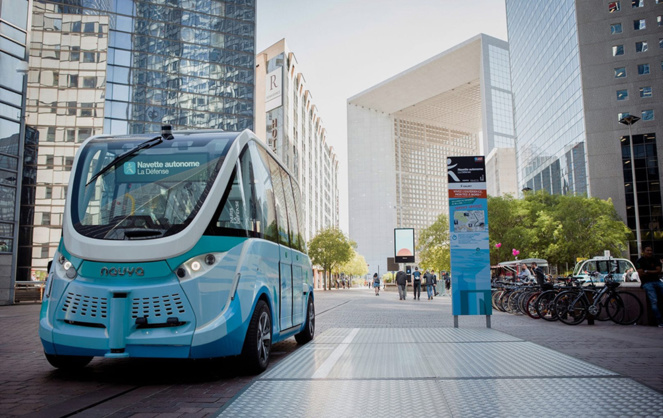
{"points": [[14, 32], [545, 73], [129, 66]]}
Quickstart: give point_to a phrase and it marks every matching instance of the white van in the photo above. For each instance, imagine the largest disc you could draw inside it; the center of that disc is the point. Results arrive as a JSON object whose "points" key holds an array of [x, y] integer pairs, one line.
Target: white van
{"points": [[603, 265]]}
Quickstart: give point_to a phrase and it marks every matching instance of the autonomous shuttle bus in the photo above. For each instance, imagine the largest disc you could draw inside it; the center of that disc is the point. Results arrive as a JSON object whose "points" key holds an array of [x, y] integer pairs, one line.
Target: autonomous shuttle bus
{"points": [[179, 245]]}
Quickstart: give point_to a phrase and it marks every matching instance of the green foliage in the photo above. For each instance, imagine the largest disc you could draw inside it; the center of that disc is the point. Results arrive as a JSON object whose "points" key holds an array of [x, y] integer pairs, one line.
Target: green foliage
{"points": [[356, 266], [328, 249], [558, 228], [433, 245], [388, 277]]}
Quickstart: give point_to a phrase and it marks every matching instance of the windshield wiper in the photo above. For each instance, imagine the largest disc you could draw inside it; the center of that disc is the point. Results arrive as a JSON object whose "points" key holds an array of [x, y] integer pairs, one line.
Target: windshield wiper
{"points": [[125, 156]]}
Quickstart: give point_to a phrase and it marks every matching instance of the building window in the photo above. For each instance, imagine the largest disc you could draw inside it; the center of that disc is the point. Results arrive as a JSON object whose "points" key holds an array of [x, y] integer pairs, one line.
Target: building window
{"points": [[73, 80], [645, 92], [50, 134], [616, 28], [68, 162], [45, 218], [622, 115], [89, 82], [86, 109], [622, 94], [648, 114], [75, 54], [49, 164], [620, 72], [637, 3], [71, 135], [83, 134], [641, 46], [639, 24], [89, 57], [44, 251], [643, 69], [614, 6], [617, 50], [71, 108]]}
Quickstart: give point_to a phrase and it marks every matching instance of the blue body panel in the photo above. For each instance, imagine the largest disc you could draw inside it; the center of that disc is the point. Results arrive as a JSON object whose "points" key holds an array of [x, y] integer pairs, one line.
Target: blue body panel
{"points": [[99, 312]]}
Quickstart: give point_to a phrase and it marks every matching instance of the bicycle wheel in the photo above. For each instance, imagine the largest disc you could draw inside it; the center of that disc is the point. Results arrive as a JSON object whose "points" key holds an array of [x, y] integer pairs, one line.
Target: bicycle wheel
{"points": [[544, 305], [571, 308], [624, 308], [530, 305], [495, 296], [601, 308], [512, 305]]}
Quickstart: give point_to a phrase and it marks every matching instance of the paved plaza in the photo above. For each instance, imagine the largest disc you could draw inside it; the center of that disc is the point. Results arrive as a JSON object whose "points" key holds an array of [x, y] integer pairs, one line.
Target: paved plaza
{"points": [[372, 356]]}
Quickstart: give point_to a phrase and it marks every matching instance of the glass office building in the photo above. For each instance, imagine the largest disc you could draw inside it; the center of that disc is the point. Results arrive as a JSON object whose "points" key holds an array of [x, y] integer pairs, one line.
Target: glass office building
{"points": [[14, 32], [129, 66], [578, 68], [546, 82]]}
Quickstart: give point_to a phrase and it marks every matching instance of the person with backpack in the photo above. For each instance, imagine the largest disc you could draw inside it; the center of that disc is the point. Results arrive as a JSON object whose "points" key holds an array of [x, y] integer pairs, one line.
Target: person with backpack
{"points": [[430, 282], [401, 282], [447, 284], [376, 284], [416, 284]]}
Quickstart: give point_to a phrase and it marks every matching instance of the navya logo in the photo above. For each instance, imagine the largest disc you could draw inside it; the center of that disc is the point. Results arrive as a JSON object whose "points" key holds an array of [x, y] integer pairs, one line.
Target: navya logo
{"points": [[122, 271], [130, 168]]}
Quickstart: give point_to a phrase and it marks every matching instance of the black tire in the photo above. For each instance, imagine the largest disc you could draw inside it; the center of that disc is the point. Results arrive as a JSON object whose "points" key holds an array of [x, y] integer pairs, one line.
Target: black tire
{"points": [[530, 305], [624, 308], [68, 362], [571, 308], [545, 307], [258, 342], [308, 332]]}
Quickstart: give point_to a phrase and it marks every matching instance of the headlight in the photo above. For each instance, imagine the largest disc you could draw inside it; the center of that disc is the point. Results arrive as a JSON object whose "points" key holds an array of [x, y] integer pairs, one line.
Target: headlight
{"points": [[64, 267], [197, 266]]}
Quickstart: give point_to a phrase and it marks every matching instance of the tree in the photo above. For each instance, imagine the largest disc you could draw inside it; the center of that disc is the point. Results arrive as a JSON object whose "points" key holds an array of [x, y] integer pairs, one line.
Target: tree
{"points": [[433, 245], [558, 228], [329, 249], [355, 266]]}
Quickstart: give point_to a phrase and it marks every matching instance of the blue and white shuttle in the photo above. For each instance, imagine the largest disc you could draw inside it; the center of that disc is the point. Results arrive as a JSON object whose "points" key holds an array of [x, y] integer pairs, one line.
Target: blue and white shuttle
{"points": [[179, 245]]}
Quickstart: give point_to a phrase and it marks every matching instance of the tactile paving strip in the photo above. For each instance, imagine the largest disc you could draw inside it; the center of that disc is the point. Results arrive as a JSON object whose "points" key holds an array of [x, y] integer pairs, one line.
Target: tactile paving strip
{"points": [[417, 335], [605, 397]]}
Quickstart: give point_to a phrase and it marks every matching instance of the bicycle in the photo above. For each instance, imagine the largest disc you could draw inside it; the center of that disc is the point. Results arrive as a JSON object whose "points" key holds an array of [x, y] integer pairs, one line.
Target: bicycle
{"points": [[573, 306]]}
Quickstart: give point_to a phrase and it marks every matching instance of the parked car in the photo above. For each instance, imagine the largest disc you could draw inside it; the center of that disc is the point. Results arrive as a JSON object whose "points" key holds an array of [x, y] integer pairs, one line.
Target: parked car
{"points": [[602, 265]]}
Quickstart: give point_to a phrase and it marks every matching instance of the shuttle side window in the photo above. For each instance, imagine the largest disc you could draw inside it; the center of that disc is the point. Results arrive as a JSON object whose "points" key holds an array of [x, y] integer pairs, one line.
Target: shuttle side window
{"points": [[300, 215], [279, 201], [264, 194], [238, 212], [293, 231]]}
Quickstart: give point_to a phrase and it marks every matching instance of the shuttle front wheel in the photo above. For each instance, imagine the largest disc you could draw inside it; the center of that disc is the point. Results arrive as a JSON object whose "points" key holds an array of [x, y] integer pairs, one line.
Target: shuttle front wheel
{"points": [[258, 343], [308, 332], [68, 362]]}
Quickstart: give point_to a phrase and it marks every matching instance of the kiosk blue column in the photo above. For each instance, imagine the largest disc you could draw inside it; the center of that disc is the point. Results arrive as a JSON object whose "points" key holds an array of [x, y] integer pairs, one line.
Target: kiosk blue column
{"points": [[468, 232]]}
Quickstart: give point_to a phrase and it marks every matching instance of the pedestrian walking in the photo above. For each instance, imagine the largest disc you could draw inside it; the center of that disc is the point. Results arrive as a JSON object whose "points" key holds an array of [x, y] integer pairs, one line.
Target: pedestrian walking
{"points": [[401, 282], [649, 270], [430, 280], [376, 284], [435, 292], [447, 284], [416, 284]]}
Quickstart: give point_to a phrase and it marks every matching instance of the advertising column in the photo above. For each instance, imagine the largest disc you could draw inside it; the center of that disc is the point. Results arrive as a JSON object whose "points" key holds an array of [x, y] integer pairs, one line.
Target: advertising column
{"points": [[468, 232]]}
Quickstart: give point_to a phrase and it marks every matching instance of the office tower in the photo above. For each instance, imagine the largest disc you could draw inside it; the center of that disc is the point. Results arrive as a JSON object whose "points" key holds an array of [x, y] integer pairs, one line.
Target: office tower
{"points": [[125, 67], [15, 137], [288, 120], [577, 69], [401, 131]]}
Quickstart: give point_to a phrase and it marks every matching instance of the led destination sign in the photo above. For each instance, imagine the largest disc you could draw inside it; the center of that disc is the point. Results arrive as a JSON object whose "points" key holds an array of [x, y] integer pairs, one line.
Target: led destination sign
{"points": [[149, 168]]}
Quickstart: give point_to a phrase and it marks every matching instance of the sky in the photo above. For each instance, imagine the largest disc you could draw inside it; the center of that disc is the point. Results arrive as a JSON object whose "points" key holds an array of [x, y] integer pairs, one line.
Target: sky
{"points": [[344, 47]]}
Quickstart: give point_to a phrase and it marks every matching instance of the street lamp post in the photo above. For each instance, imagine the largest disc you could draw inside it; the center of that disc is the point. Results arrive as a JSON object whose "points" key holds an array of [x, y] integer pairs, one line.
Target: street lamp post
{"points": [[630, 120]]}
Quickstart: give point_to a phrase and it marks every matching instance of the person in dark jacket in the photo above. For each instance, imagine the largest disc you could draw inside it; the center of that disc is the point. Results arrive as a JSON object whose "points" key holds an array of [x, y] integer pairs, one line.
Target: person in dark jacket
{"points": [[430, 281], [416, 284], [538, 274], [649, 270], [401, 282]]}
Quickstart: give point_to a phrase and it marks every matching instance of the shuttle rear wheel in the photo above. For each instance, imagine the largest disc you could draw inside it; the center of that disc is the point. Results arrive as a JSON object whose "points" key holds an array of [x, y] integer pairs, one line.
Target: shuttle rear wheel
{"points": [[308, 332]]}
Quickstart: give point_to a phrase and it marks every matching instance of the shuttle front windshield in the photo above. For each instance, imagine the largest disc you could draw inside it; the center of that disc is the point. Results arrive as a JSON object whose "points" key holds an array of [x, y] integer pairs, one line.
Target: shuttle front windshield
{"points": [[152, 193]]}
